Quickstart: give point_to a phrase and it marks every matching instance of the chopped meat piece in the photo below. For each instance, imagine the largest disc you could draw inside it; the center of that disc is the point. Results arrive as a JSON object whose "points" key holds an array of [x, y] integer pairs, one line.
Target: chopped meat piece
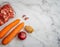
{"points": [[1, 22]]}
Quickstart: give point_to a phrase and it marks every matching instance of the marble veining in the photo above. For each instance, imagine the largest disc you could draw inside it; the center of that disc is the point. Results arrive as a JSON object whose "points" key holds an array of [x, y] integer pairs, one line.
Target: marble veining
{"points": [[47, 12], [49, 8]]}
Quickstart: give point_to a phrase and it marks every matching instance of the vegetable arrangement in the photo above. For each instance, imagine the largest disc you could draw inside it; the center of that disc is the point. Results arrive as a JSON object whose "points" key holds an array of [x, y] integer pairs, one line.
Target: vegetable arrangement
{"points": [[21, 35], [9, 13]]}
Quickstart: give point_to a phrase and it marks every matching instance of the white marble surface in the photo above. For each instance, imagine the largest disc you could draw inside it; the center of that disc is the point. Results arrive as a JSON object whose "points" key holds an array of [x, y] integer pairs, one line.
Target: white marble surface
{"points": [[44, 13]]}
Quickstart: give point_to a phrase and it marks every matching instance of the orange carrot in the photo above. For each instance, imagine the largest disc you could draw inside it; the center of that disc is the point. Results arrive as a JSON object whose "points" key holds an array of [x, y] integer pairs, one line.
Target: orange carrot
{"points": [[7, 28], [14, 32]]}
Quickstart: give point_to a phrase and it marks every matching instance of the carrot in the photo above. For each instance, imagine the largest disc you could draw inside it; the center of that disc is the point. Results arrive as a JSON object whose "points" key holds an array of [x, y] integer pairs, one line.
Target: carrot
{"points": [[7, 28], [14, 32]]}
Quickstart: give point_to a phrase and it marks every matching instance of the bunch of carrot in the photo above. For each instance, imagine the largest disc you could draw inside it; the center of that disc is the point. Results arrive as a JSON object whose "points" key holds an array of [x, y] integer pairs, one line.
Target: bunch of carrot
{"points": [[13, 33]]}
